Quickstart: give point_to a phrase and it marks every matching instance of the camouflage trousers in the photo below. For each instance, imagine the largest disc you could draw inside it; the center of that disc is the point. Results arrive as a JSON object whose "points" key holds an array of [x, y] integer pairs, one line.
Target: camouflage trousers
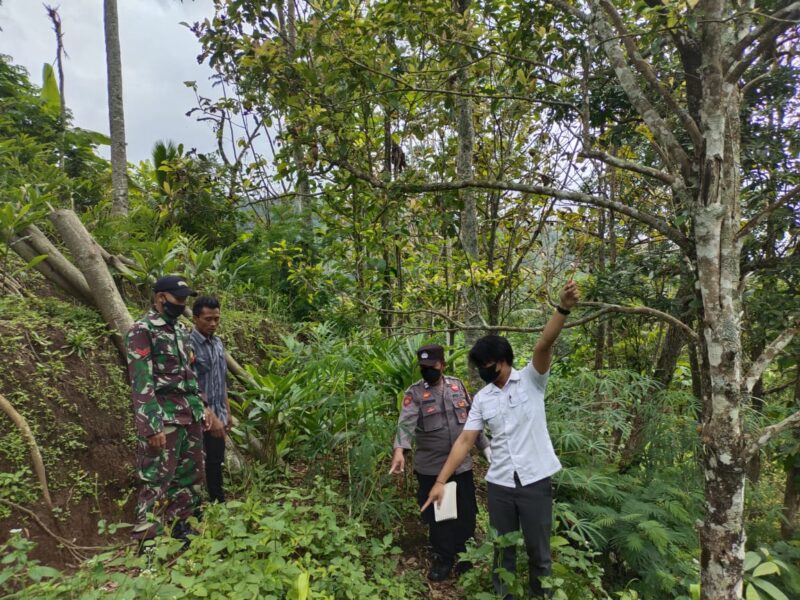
{"points": [[171, 479]]}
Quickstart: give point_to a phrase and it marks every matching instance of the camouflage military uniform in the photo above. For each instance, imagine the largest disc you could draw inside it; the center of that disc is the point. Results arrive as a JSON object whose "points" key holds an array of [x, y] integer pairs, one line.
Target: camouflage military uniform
{"points": [[166, 398]]}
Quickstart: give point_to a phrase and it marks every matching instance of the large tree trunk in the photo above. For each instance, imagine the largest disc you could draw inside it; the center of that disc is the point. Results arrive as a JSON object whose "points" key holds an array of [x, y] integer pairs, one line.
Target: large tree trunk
{"points": [[717, 219], [473, 301], [116, 115], [89, 257]]}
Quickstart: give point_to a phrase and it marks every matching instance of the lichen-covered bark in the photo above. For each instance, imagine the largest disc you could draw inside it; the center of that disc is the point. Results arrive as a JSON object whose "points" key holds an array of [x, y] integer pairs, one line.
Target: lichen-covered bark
{"points": [[716, 220]]}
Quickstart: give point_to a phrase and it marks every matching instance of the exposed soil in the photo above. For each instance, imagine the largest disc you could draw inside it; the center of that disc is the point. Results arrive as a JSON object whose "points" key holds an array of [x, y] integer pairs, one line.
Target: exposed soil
{"points": [[92, 477]]}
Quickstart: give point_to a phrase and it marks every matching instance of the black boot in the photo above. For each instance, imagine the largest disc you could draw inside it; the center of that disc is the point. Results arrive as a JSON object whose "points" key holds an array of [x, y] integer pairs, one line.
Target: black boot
{"points": [[440, 569]]}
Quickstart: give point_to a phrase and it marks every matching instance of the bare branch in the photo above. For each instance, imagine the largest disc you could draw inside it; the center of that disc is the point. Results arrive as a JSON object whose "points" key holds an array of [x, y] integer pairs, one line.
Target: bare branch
{"points": [[645, 310], [790, 195], [650, 76], [773, 24], [779, 388], [668, 144], [568, 8], [770, 352], [671, 233], [770, 432], [627, 165]]}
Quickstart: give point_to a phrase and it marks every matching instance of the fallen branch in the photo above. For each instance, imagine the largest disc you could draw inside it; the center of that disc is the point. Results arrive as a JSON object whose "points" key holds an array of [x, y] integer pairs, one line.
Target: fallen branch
{"points": [[36, 455], [30, 242]]}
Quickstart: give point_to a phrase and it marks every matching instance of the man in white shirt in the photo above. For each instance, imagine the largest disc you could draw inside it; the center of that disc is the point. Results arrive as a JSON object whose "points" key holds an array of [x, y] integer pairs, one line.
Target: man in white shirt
{"points": [[512, 406]]}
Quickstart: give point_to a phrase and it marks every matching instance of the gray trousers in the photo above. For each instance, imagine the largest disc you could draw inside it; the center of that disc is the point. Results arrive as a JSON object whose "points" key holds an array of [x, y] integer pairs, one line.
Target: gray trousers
{"points": [[531, 508]]}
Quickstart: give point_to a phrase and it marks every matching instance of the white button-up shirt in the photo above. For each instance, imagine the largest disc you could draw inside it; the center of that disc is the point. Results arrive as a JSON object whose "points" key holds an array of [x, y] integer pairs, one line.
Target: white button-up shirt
{"points": [[516, 420]]}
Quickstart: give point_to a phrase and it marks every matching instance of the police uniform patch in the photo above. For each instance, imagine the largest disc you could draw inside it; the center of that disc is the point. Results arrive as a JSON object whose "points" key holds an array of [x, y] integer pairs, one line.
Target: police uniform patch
{"points": [[407, 401], [426, 395], [430, 409], [454, 387]]}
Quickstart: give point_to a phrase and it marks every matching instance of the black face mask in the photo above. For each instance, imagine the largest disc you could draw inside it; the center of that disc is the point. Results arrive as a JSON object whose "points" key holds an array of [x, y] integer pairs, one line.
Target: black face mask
{"points": [[489, 374], [430, 374], [172, 310]]}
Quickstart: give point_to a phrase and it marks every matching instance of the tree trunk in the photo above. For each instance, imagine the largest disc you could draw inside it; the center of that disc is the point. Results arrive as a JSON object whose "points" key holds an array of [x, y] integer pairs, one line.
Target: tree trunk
{"points": [[717, 219], [31, 242], [302, 190], [88, 256], [473, 302], [116, 115], [791, 494]]}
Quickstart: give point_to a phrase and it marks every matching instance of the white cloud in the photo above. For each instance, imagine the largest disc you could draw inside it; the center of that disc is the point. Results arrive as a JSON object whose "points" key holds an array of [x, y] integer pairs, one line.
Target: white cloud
{"points": [[158, 55]]}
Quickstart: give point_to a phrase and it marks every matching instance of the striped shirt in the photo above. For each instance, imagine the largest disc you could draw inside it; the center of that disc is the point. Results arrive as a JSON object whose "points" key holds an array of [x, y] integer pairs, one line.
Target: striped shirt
{"points": [[210, 367]]}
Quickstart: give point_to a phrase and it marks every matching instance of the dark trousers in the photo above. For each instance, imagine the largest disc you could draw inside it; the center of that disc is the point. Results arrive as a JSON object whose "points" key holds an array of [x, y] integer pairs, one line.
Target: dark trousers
{"points": [[449, 538], [215, 457], [531, 508]]}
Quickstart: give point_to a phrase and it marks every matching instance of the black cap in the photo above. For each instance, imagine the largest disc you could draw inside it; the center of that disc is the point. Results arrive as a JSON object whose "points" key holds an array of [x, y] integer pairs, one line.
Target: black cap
{"points": [[175, 285], [429, 355]]}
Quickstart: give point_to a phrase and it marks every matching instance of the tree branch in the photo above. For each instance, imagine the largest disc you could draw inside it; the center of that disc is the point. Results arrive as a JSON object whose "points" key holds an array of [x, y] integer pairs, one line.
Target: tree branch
{"points": [[627, 165], [765, 36], [770, 432], [660, 129], [671, 233], [645, 310], [36, 455], [773, 24], [770, 352], [649, 75], [790, 195]]}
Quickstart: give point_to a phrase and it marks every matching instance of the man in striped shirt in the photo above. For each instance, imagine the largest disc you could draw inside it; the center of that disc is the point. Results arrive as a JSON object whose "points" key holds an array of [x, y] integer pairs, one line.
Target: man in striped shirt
{"points": [[211, 369]]}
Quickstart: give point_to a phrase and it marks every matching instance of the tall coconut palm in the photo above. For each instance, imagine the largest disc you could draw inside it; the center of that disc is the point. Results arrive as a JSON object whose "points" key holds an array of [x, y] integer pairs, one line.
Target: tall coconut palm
{"points": [[116, 115]]}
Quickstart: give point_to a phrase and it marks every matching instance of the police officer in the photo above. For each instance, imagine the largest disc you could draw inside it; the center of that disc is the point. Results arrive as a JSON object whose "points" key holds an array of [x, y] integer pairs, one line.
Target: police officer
{"points": [[434, 412], [169, 413]]}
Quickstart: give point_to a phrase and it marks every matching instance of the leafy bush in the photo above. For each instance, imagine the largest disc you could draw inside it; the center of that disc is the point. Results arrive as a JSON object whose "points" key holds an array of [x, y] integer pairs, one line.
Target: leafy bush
{"points": [[327, 395], [297, 545]]}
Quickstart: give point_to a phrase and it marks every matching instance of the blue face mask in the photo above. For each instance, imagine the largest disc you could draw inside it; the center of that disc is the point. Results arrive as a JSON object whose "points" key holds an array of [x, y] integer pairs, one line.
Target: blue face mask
{"points": [[489, 374]]}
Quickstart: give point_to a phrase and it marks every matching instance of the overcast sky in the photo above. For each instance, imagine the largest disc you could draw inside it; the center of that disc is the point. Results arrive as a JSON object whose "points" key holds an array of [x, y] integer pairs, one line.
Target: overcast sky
{"points": [[158, 55]]}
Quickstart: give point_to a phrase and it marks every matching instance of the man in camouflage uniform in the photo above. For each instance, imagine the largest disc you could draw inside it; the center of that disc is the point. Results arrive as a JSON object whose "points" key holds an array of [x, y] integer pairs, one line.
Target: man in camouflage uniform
{"points": [[169, 413], [434, 412]]}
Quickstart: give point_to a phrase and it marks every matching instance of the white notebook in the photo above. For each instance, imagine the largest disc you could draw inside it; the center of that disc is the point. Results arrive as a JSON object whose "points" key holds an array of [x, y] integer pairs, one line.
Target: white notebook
{"points": [[448, 509]]}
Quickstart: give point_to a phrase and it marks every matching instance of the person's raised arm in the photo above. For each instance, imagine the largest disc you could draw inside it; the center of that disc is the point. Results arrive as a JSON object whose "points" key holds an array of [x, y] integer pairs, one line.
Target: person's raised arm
{"points": [[458, 453], [543, 351]]}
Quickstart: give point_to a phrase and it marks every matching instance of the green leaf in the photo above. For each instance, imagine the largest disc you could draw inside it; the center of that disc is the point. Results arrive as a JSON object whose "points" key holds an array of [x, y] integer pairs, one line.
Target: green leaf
{"points": [[752, 593], [302, 585], [751, 559], [770, 589], [35, 261], [95, 137], [50, 95], [767, 568]]}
